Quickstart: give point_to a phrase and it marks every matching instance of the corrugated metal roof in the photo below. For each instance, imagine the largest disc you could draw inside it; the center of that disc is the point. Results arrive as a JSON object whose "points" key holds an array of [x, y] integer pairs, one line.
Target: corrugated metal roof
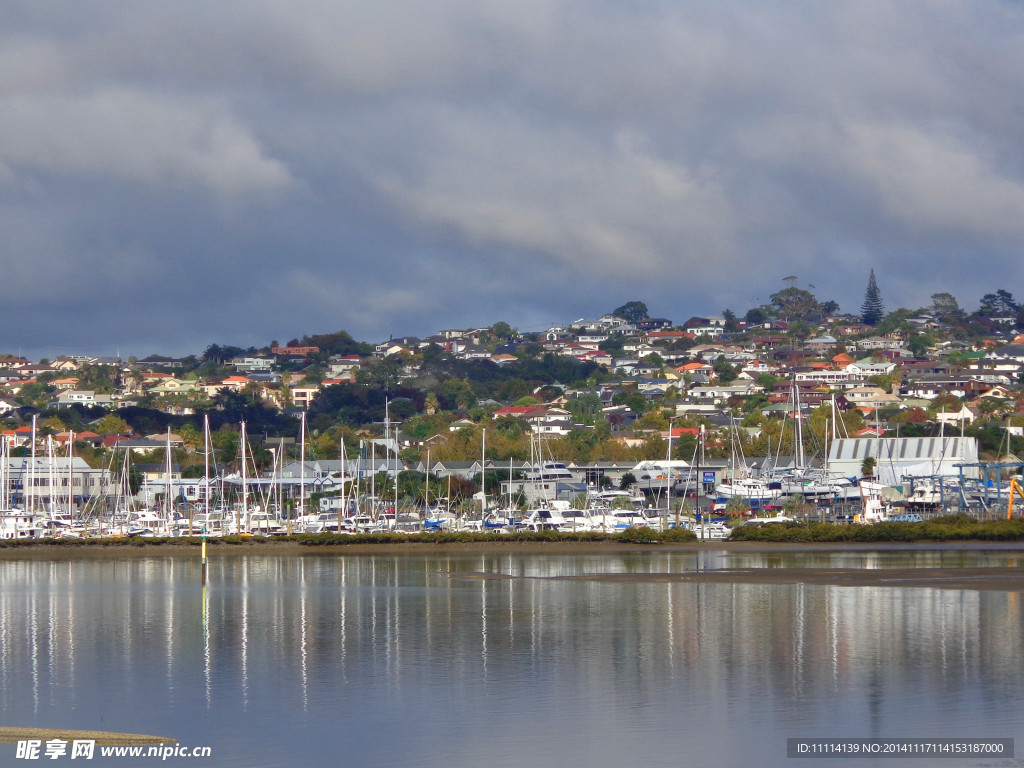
{"points": [[905, 449]]}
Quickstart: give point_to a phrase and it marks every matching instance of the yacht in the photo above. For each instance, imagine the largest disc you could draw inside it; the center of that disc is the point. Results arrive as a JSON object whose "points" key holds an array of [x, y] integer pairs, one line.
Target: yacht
{"points": [[577, 520], [620, 519], [752, 489], [264, 524], [549, 471], [755, 521], [711, 530], [545, 520], [654, 475], [18, 524]]}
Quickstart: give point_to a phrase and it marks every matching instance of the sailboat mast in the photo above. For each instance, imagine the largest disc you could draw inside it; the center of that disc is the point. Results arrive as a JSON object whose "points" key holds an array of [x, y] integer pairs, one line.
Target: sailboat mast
{"points": [[206, 465], [51, 479], [344, 496], [373, 480], [5, 473], [245, 484], [799, 426], [426, 486], [483, 476], [668, 493], [169, 506], [302, 463], [394, 523], [32, 471], [71, 475]]}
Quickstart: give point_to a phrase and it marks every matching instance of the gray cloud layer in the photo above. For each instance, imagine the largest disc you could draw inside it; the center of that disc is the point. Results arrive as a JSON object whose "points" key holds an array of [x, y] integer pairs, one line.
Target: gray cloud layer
{"points": [[172, 176]]}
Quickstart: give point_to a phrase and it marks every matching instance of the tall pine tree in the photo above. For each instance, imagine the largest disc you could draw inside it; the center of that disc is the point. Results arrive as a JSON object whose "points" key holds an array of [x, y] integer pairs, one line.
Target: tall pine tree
{"points": [[872, 310]]}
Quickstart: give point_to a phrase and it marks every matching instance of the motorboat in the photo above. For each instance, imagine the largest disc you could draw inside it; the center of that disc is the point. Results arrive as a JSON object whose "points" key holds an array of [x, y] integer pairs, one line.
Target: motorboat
{"points": [[17, 524], [711, 530], [544, 520]]}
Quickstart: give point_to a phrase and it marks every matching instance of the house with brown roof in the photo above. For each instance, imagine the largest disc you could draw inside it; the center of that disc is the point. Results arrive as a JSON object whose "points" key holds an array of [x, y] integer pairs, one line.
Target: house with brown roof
{"points": [[87, 436]]}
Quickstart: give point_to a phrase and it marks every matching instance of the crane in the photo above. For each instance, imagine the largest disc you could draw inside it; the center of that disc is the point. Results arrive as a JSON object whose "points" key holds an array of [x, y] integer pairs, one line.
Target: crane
{"points": [[1015, 487]]}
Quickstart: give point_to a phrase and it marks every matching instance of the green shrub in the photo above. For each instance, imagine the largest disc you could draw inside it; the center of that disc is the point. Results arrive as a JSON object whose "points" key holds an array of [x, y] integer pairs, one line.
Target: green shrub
{"points": [[948, 528]]}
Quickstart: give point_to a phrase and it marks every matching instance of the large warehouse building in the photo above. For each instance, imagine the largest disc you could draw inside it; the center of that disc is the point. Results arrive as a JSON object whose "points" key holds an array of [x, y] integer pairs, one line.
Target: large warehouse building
{"points": [[899, 457]]}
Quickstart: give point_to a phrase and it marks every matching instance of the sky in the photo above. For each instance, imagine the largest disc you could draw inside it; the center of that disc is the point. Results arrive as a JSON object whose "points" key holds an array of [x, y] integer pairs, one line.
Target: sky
{"points": [[174, 175]]}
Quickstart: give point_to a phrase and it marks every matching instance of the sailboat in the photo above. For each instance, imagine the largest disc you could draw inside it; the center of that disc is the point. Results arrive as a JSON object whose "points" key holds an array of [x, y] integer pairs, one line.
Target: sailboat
{"points": [[810, 483], [738, 481], [15, 523]]}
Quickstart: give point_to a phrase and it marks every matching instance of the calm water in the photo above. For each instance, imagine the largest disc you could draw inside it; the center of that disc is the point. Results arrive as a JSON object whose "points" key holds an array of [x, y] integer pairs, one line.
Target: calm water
{"points": [[421, 662]]}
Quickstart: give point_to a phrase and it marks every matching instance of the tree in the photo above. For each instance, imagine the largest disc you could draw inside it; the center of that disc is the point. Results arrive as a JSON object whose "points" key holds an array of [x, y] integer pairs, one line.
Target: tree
{"points": [[218, 354], [799, 329], [726, 373], [882, 381], [653, 419], [501, 330], [340, 343], [920, 344], [99, 378], [795, 304], [998, 304], [872, 310], [613, 345], [112, 424], [585, 408], [191, 437], [632, 312], [944, 304], [756, 316], [655, 360], [52, 426], [897, 321], [731, 321]]}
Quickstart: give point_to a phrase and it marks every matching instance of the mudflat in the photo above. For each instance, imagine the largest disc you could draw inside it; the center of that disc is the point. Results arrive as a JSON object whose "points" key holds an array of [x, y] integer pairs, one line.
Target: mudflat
{"points": [[216, 548], [995, 578], [982, 579]]}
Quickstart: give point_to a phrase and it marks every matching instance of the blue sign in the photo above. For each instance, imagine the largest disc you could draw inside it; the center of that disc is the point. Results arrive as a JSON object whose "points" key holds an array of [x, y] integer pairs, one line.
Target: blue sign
{"points": [[709, 477]]}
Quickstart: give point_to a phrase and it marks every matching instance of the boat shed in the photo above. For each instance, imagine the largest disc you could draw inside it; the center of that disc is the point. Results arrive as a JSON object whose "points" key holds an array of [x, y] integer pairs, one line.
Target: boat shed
{"points": [[899, 457]]}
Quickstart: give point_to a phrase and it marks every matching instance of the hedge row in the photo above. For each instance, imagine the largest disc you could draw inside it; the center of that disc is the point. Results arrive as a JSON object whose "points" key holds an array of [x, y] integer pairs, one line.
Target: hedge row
{"points": [[630, 536], [951, 528]]}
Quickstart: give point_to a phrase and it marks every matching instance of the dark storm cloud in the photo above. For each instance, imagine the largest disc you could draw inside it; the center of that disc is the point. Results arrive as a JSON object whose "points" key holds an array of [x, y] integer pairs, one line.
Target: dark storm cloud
{"points": [[173, 176]]}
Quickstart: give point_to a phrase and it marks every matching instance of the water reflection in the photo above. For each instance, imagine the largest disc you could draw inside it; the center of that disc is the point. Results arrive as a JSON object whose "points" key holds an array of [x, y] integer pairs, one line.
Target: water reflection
{"points": [[501, 658]]}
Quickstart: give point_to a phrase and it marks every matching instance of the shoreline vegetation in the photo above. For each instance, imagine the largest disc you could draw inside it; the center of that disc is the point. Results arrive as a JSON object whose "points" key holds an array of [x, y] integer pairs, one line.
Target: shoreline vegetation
{"points": [[942, 530], [313, 543], [939, 529]]}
